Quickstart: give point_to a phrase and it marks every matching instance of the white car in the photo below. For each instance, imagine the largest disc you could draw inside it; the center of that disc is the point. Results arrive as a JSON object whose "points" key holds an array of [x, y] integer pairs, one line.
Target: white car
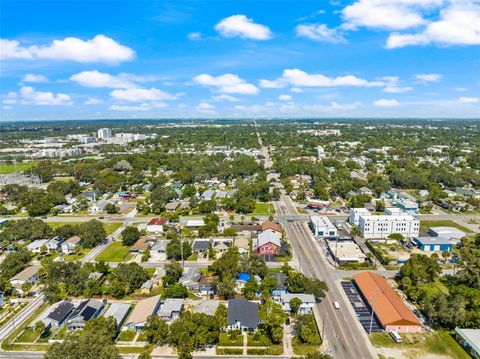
{"points": [[336, 305]]}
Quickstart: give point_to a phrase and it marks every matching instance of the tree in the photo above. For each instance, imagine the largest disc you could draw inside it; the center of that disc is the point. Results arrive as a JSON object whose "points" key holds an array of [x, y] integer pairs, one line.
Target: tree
{"points": [[110, 208], [221, 315], [274, 318], [305, 329], [268, 284], [420, 269], [445, 255], [173, 272], [226, 287], [396, 236], [295, 304], [130, 235], [176, 290], [250, 288], [94, 342], [228, 265], [156, 330], [174, 249], [255, 265], [316, 355], [127, 278], [13, 263], [92, 233], [299, 283]]}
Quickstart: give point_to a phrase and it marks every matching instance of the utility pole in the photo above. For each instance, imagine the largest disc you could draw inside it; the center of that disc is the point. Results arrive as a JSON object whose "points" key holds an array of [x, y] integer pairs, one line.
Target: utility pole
{"points": [[181, 250], [373, 310]]}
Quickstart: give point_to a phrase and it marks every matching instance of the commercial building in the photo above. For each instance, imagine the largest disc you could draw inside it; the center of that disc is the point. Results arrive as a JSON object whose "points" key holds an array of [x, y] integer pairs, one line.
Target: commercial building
{"points": [[323, 227], [104, 133], [469, 339], [383, 226], [451, 233], [390, 310], [346, 251], [433, 244], [355, 213]]}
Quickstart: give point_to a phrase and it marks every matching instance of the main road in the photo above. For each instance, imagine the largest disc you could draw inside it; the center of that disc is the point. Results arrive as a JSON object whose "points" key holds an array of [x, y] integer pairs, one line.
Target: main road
{"points": [[345, 339]]}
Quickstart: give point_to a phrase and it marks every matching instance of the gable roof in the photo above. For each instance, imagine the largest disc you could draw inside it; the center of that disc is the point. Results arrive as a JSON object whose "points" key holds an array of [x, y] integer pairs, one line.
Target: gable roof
{"points": [[118, 311], [73, 240], [244, 312], [157, 222], [170, 306], [390, 309], [271, 225], [141, 244], [87, 309], [143, 309], [27, 273], [268, 237], [305, 298], [61, 311], [207, 306]]}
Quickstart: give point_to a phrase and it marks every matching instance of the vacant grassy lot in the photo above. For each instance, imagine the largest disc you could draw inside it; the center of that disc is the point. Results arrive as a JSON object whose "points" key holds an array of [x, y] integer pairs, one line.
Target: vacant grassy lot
{"points": [[28, 336], [264, 208], [115, 252], [418, 345], [424, 225], [10, 168], [80, 253], [110, 227]]}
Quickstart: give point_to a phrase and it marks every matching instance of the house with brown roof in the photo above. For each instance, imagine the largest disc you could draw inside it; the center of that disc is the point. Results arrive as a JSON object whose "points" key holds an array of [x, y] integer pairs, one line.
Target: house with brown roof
{"points": [[141, 245], [142, 311], [272, 226], [28, 275], [390, 310], [69, 246]]}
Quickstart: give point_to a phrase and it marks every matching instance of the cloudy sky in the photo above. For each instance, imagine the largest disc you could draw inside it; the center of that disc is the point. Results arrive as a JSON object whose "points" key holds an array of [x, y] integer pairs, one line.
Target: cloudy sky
{"points": [[239, 58]]}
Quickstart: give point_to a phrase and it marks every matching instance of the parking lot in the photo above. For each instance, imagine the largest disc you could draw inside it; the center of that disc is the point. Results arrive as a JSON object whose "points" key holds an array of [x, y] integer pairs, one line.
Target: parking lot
{"points": [[362, 310]]}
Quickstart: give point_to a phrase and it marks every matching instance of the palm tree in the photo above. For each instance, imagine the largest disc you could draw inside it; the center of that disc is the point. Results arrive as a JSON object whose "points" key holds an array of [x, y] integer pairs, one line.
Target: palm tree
{"points": [[445, 255]]}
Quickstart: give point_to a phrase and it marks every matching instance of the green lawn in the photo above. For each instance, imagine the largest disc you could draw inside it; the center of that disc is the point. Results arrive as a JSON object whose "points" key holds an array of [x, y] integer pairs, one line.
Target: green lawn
{"points": [[150, 271], [304, 349], [264, 208], [111, 227], [55, 225], [115, 252], [28, 336], [127, 336], [424, 225], [227, 351], [130, 349], [10, 168], [224, 340], [80, 253], [263, 341], [417, 345]]}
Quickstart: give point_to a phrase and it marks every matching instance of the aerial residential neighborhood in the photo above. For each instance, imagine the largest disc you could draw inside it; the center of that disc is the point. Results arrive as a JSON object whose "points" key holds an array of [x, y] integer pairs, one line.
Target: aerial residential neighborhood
{"points": [[240, 179]]}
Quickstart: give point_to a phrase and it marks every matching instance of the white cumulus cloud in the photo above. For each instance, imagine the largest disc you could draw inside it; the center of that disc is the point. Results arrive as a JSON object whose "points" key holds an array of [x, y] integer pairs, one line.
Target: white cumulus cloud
{"points": [[99, 49], [320, 33], [95, 78], [142, 94], [224, 97], [93, 101], [29, 96], [205, 108], [36, 79], [386, 103], [242, 26], [459, 24], [142, 107], [227, 83], [194, 36]]}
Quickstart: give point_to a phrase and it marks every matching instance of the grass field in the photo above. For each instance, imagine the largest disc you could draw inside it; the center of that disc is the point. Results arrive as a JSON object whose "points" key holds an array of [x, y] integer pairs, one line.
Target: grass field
{"points": [[418, 345], [115, 252], [263, 208], [28, 336], [224, 340], [80, 253], [424, 225], [110, 227], [127, 336], [10, 168]]}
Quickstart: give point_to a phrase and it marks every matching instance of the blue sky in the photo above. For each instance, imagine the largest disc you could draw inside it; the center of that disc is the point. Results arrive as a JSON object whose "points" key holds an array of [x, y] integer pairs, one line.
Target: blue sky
{"points": [[155, 59]]}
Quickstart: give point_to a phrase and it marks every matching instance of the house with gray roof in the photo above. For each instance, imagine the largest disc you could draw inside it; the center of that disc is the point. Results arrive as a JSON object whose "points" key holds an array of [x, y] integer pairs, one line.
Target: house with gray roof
{"points": [[170, 309], [159, 250], [207, 306], [56, 315], [118, 311], [308, 301], [190, 278], [242, 315], [86, 310]]}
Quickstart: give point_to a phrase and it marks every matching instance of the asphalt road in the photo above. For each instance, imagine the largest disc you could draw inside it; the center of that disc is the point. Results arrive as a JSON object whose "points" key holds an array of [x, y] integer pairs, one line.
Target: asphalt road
{"points": [[342, 332], [20, 317]]}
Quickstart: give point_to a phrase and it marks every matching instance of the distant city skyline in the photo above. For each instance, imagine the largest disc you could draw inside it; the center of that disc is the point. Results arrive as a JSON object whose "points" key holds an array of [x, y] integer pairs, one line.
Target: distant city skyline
{"points": [[239, 59]]}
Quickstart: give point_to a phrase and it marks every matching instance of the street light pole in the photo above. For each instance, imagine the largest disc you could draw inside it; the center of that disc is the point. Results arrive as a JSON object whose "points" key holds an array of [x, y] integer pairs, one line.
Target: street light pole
{"points": [[373, 310], [181, 250]]}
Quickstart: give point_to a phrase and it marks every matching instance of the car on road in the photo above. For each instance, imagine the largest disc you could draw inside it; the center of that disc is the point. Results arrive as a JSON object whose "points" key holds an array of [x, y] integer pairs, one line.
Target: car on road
{"points": [[336, 305]]}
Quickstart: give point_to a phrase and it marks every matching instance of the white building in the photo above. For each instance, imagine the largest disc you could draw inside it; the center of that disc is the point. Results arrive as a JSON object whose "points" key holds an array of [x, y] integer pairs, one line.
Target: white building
{"points": [[383, 226], [346, 252], [104, 133], [321, 153], [323, 227], [355, 213], [393, 211], [308, 301]]}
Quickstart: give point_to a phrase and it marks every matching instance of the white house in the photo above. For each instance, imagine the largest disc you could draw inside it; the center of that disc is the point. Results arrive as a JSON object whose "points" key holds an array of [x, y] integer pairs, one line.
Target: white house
{"points": [[155, 225], [323, 227], [383, 226], [36, 246], [28, 275], [70, 244], [308, 301]]}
